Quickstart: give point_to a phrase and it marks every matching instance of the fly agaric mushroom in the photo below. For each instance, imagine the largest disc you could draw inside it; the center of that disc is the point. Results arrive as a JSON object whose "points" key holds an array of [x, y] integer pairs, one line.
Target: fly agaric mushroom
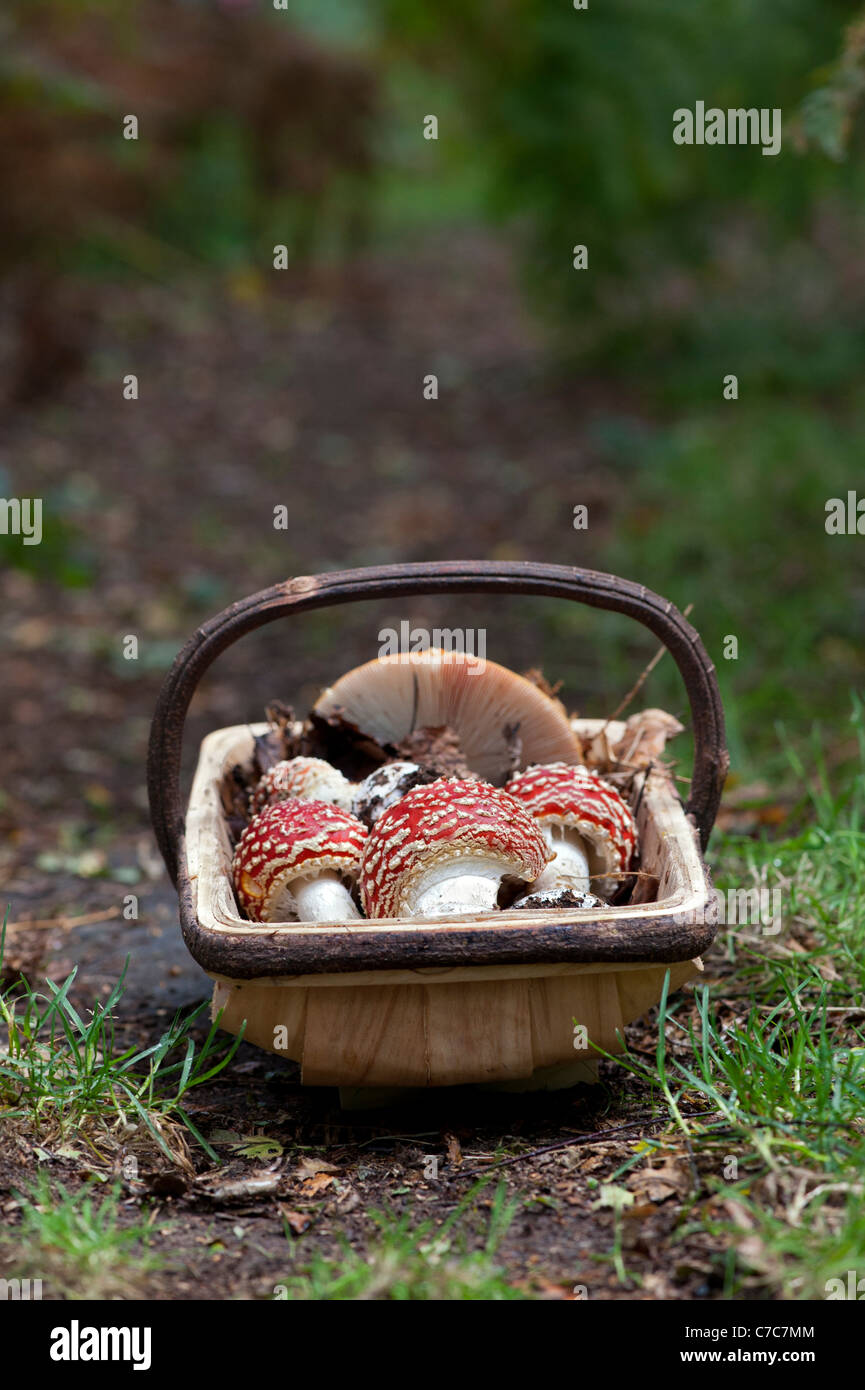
{"points": [[293, 861], [586, 824], [304, 779], [487, 707], [444, 850], [382, 788]]}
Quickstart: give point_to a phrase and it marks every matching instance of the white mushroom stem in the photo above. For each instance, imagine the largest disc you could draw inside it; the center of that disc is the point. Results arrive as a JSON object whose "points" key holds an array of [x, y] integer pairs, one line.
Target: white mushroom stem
{"points": [[570, 867], [324, 898], [445, 891]]}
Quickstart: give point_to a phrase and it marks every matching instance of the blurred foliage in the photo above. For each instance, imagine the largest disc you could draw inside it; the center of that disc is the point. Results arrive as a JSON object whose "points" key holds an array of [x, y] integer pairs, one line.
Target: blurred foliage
{"points": [[729, 514], [724, 508], [251, 133], [702, 262], [829, 114], [571, 114]]}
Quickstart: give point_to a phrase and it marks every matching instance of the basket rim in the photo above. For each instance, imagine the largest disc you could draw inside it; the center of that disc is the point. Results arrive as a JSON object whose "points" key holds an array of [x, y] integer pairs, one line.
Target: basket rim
{"points": [[225, 945]]}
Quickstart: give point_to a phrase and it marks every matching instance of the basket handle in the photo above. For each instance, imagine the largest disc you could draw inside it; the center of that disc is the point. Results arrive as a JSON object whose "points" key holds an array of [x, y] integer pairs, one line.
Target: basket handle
{"points": [[597, 590]]}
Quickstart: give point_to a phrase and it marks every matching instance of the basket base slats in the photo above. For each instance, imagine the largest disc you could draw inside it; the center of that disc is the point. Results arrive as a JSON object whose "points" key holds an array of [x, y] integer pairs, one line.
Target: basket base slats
{"points": [[371, 1037], [521, 1033]]}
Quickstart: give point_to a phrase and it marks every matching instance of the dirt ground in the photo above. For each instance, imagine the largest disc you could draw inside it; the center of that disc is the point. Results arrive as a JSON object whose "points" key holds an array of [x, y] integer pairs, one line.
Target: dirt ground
{"points": [[325, 1170], [158, 512]]}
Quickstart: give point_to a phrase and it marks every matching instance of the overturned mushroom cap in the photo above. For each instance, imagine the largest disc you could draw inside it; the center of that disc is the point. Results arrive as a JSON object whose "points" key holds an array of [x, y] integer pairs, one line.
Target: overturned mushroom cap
{"points": [[502, 721], [445, 848], [307, 779], [292, 844], [572, 798]]}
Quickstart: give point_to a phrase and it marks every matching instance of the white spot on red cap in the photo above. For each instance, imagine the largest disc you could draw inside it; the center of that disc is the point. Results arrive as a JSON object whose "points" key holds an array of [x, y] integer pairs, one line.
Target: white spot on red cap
{"points": [[557, 794], [448, 819]]}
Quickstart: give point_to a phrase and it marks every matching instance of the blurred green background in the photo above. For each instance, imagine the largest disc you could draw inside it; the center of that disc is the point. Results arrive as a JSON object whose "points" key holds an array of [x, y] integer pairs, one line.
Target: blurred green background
{"points": [[304, 127]]}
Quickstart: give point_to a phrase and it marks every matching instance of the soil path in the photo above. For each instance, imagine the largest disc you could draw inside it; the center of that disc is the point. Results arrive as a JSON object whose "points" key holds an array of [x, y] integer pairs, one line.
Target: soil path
{"points": [[157, 513]]}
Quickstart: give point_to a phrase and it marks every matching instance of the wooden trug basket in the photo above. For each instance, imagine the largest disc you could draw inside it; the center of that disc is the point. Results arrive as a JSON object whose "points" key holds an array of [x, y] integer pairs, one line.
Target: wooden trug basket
{"points": [[372, 1007]]}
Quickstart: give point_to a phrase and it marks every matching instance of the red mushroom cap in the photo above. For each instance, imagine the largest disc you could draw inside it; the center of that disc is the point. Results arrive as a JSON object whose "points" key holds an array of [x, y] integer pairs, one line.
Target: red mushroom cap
{"points": [[556, 794], [446, 820], [293, 839], [308, 779]]}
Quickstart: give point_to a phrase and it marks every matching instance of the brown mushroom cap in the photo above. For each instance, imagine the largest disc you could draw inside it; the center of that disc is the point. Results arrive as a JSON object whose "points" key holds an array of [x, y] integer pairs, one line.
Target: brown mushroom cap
{"points": [[485, 704]]}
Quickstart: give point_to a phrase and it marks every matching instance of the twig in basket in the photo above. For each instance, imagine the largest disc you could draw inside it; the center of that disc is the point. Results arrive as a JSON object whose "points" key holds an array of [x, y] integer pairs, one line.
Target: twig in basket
{"points": [[639, 767], [642, 678], [415, 698], [625, 873], [643, 788]]}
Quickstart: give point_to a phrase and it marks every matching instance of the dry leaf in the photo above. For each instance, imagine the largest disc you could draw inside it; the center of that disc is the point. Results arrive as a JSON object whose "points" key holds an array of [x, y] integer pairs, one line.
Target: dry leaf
{"points": [[598, 752], [613, 1196], [455, 1153], [645, 889], [550, 1291], [658, 1286], [827, 969], [309, 1167], [645, 736], [297, 1221], [671, 1179], [592, 1162], [640, 1211], [536, 677], [314, 1186]]}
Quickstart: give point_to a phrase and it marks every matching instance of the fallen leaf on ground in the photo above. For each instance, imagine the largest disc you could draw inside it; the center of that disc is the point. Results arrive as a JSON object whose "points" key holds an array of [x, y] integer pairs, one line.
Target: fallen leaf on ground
{"points": [[257, 1146], [670, 1179], [827, 969], [297, 1221], [318, 1183], [308, 1167], [550, 1291], [613, 1196], [640, 1211], [455, 1153]]}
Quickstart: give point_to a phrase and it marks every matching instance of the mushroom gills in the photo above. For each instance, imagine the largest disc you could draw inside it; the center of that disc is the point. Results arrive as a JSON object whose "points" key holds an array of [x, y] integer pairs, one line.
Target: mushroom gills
{"points": [[322, 898], [570, 867], [440, 892]]}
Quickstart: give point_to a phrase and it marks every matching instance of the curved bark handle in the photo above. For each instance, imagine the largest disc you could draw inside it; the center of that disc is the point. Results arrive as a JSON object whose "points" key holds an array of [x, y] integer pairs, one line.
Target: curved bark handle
{"points": [[597, 590]]}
